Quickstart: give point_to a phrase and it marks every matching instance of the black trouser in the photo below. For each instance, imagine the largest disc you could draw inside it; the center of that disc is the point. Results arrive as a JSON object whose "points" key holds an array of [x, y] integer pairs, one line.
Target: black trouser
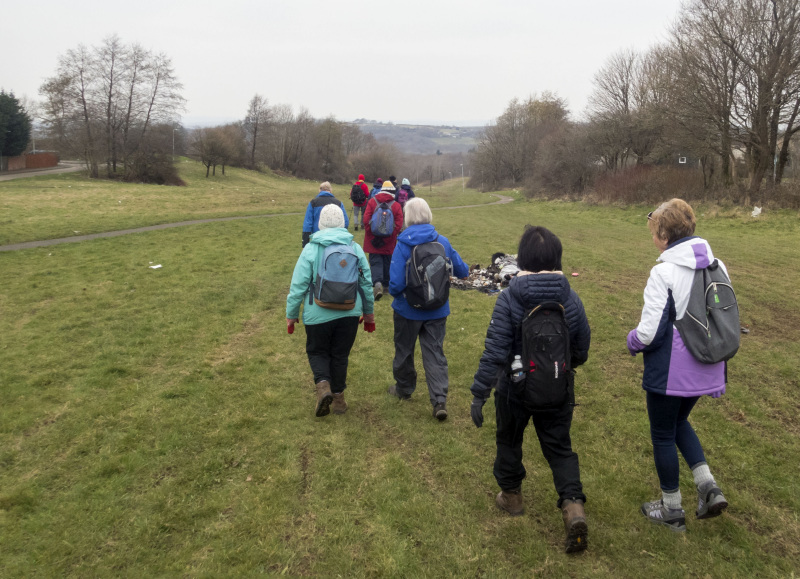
{"points": [[328, 347], [552, 428], [379, 268], [431, 343]]}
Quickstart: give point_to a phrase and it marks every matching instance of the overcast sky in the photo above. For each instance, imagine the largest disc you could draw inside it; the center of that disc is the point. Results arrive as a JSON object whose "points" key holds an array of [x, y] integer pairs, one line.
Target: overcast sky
{"points": [[418, 61]]}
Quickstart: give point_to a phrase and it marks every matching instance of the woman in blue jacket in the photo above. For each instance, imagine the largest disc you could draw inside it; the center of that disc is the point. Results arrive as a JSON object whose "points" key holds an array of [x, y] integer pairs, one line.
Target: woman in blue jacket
{"points": [[539, 280], [673, 380], [411, 323]]}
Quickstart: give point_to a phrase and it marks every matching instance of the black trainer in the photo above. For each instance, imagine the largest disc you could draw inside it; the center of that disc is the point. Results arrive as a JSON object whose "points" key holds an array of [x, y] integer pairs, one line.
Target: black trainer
{"points": [[440, 411]]}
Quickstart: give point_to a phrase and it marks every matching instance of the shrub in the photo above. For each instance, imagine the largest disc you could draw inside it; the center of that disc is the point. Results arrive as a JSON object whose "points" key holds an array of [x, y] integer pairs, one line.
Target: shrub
{"points": [[153, 167]]}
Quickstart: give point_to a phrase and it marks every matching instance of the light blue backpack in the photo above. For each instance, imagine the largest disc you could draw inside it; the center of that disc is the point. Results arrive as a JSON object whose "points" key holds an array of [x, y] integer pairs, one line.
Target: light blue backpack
{"points": [[336, 284]]}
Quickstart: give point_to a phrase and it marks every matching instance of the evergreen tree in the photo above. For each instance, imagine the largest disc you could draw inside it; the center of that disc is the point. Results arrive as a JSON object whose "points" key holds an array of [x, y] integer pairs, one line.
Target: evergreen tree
{"points": [[15, 126]]}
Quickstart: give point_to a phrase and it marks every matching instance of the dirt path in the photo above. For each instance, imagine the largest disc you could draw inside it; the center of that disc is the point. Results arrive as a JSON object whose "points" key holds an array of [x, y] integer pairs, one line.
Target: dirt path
{"points": [[503, 199]]}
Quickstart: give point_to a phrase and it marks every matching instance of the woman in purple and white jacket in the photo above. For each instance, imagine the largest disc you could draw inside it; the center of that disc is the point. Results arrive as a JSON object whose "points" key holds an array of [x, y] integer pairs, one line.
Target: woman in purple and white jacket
{"points": [[673, 379]]}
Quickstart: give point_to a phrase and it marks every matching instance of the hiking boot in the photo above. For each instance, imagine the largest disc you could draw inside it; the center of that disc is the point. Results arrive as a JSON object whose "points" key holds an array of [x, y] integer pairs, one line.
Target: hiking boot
{"points": [[440, 411], [711, 502], [393, 391], [339, 406], [324, 398], [574, 525], [656, 512], [377, 291], [356, 227], [511, 502]]}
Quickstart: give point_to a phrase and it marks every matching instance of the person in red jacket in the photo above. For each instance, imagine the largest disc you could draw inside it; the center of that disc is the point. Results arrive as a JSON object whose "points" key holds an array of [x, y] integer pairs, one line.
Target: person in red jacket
{"points": [[359, 204], [378, 247]]}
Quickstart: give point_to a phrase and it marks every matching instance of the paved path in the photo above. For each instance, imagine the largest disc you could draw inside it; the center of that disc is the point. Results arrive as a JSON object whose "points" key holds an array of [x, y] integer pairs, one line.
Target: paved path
{"points": [[503, 199], [63, 167]]}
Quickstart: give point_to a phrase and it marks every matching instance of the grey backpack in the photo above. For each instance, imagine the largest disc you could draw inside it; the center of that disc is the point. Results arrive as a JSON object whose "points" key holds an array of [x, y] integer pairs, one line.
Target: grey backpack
{"points": [[710, 328]]}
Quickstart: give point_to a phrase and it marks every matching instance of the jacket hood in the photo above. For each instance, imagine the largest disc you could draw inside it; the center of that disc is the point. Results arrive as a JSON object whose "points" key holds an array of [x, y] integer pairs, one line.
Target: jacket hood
{"points": [[416, 234], [330, 236], [361, 177], [533, 289], [384, 196], [691, 252]]}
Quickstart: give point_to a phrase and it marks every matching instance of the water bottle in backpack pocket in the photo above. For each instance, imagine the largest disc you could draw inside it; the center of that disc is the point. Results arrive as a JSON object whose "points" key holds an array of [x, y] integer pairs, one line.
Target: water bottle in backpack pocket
{"points": [[382, 221], [546, 359], [336, 284]]}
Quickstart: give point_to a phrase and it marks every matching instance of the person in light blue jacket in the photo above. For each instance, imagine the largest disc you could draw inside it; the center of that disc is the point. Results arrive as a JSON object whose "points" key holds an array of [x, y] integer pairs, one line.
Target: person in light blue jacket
{"points": [[673, 380], [411, 323], [330, 333]]}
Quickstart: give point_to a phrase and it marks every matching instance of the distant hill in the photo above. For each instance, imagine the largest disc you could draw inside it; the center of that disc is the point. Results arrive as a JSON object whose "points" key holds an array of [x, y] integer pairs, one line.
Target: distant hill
{"points": [[423, 139]]}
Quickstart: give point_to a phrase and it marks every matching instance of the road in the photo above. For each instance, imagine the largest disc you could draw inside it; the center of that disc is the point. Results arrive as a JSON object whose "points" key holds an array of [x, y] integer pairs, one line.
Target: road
{"points": [[63, 167]]}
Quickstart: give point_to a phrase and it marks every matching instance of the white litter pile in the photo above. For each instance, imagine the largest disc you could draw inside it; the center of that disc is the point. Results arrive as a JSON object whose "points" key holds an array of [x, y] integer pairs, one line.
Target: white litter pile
{"points": [[491, 279]]}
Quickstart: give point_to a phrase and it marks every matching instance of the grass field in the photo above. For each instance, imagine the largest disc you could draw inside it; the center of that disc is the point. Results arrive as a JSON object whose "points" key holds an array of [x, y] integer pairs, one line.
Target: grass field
{"points": [[160, 422], [54, 206]]}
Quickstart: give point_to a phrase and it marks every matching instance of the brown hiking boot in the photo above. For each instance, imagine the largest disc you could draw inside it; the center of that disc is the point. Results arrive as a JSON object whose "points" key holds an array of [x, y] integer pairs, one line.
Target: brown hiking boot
{"points": [[574, 525], [511, 502], [339, 406], [324, 398]]}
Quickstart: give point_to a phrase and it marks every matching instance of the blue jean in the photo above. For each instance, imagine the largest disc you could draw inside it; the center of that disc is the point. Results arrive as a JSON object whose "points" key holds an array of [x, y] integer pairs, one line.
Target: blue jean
{"points": [[669, 427]]}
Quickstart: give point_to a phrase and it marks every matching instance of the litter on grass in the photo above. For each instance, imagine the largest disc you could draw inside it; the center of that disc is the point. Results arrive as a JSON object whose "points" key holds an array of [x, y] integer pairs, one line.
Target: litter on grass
{"points": [[155, 266], [491, 279]]}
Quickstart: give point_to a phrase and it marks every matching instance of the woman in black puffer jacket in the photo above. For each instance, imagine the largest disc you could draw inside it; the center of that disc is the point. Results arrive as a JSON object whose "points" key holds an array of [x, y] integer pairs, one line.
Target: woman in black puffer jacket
{"points": [[540, 280]]}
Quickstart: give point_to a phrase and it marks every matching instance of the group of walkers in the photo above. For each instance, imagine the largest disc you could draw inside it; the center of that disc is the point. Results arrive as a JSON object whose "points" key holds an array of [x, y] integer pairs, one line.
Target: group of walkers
{"points": [[536, 312]]}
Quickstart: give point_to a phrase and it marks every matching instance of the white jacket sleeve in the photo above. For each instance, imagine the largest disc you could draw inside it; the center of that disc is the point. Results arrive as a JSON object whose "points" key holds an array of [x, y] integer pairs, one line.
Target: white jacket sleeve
{"points": [[656, 297]]}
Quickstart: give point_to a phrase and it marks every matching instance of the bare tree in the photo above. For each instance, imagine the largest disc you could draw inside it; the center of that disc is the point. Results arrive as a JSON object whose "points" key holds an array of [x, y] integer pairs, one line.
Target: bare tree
{"points": [[104, 100], [255, 123]]}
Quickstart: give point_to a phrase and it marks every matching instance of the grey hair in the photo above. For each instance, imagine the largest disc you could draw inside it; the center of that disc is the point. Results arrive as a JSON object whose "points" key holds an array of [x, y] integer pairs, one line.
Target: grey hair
{"points": [[325, 186], [417, 212]]}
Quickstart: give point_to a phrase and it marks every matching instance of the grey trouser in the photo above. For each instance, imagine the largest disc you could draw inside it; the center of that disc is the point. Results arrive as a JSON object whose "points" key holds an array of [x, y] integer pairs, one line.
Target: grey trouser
{"points": [[431, 343], [356, 210]]}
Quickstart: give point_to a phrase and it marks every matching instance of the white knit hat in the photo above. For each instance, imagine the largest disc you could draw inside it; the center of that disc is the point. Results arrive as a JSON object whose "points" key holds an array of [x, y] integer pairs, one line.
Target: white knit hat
{"points": [[331, 216]]}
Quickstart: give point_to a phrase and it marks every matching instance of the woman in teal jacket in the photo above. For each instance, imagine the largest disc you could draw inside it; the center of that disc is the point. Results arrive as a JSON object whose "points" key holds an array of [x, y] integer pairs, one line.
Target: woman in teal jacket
{"points": [[330, 333]]}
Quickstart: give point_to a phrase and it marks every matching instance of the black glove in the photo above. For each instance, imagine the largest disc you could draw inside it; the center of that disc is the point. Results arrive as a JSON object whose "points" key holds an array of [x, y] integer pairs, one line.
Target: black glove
{"points": [[378, 242], [476, 410]]}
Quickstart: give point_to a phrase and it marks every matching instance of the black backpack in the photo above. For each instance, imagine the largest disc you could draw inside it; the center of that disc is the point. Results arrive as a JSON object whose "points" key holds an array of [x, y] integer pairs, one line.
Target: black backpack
{"points": [[357, 195], [546, 359], [428, 272], [710, 328]]}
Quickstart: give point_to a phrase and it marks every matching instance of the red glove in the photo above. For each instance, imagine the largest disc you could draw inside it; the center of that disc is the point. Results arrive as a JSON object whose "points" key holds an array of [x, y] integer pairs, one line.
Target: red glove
{"points": [[290, 322], [369, 322]]}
